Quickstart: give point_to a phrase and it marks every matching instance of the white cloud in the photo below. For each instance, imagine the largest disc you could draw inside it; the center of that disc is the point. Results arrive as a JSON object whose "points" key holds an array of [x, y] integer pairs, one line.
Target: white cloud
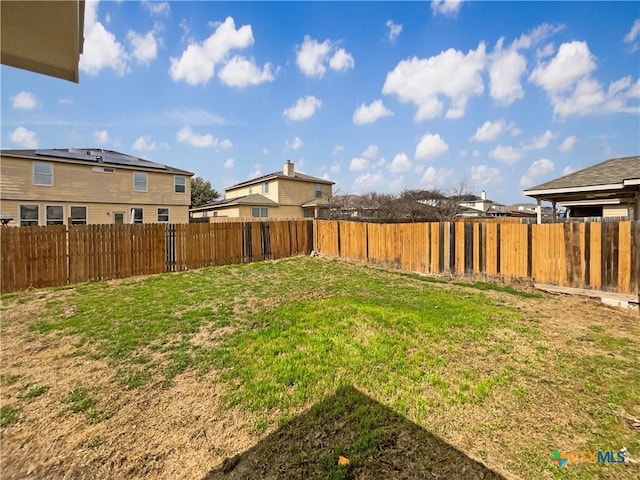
{"points": [[265, 151], [157, 8], [506, 154], [545, 51], [378, 181], [446, 7], [394, 30], [538, 169], [65, 101], [507, 67], [303, 108], [312, 57], [572, 62], [188, 136], [24, 100], [101, 49], [433, 177], [358, 163], [225, 144], [483, 175], [296, 144], [567, 144], [144, 48], [589, 97], [537, 35], [400, 163], [370, 113], [489, 131], [463, 153], [101, 137], [370, 152], [633, 33], [567, 170], [144, 143], [452, 74], [228, 163], [24, 138], [240, 72], [430, 146], [342, 61], [335, 168], [197, 63], [541, 142], [337, 149], [257, 170], [476, 153]]}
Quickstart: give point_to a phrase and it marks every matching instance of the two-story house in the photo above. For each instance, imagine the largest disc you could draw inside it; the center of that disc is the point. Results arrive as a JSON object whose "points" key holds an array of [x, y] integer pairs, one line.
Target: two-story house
{"points": [[90, 186], [285, 194]]}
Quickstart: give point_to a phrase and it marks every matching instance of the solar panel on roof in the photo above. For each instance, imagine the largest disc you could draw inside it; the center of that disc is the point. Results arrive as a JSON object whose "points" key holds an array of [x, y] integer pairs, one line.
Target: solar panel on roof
{"points": [[101, 156]]}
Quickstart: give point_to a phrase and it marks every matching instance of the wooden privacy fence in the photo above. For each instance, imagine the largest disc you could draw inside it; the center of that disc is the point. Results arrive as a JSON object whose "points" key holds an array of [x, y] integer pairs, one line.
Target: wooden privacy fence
{"points": [[59, 255], [601, 256]]}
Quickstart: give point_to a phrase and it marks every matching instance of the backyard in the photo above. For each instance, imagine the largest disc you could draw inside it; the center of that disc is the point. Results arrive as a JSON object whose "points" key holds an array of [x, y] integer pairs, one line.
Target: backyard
{"points": [[313, 368]]}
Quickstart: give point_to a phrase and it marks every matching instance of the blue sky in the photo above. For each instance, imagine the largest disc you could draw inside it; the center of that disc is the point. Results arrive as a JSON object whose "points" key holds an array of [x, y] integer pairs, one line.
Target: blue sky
{"points": [[374, 96]]}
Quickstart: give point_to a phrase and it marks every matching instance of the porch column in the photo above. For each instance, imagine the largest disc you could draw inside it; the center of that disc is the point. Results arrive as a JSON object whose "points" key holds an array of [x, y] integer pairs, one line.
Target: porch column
{"points": [[555, 211], [539, 211]]}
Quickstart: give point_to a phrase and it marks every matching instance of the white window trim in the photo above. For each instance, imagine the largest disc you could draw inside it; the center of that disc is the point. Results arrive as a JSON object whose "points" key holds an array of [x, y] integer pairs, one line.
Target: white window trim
{"points": [[260, 212], [158, 215], [33, 175], [86, 210], [146, 182], [131, 215], [175, 184], [265, 187], [46, 219], [28, 205]]}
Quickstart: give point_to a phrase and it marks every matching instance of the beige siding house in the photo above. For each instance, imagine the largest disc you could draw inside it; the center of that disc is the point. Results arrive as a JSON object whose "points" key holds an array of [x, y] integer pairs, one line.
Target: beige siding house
{"points": [[608, 189], [285, 194], [90, 186]]}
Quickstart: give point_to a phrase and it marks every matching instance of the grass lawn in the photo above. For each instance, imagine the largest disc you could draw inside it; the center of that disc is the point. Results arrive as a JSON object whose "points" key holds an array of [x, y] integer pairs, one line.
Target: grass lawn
{"points": [[280, 368]]}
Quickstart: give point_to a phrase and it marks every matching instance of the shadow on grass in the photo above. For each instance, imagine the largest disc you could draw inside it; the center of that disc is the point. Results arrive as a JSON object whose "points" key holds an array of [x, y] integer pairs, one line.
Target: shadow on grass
{"points": [[378, 442]]}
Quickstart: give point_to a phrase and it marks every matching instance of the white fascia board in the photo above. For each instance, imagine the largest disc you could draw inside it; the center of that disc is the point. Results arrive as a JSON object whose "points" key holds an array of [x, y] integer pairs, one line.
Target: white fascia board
{"points": [[577, 203], [588, 188]]}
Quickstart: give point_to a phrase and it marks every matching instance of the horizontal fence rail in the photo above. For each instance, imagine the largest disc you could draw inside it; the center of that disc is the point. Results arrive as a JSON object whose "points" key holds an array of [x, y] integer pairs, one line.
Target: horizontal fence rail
{"points": [[601, 256], [36, 257]]}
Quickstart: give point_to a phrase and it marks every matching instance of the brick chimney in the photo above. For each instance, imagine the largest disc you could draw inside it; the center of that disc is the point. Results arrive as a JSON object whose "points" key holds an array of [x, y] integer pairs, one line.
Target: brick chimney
{"points": [[288, 169]]}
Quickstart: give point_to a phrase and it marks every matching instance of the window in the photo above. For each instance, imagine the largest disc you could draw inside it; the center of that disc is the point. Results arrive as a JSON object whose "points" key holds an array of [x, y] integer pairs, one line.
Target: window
{"points": [[29, 215], [42, 173], [163, 215], [139, 181], [118, 218], [55, 214], [215, 213], [180, 184], [78, 215], [137, 215], [307, 212], [265, 187], [259, 212], [318, 190]]}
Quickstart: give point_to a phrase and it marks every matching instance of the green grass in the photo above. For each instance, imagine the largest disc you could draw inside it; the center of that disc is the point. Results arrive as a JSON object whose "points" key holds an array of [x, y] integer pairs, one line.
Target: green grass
{"points": [[33, 391], [283, 336], [8, 415]]}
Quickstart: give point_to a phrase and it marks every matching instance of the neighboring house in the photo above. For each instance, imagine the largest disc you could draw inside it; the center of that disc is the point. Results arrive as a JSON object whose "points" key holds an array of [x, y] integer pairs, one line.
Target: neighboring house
{"points": [[480, 206], [286, 194], [608, 189], [90, 186]]}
